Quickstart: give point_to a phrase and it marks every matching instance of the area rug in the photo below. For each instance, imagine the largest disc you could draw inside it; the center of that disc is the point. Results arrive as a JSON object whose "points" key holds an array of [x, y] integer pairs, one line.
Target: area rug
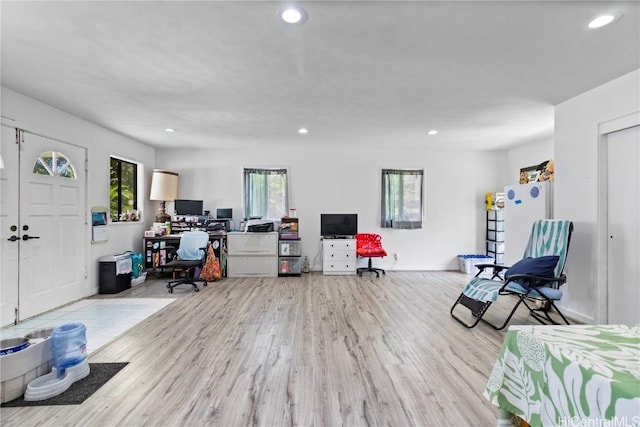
{"points": [[80, 390]]}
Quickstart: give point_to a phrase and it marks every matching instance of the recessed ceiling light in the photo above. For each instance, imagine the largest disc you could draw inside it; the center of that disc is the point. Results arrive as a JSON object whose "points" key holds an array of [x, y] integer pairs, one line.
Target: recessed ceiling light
{"points": [[303, 131], [602, 20], [432, 132], [293, 15], [169, 130]]}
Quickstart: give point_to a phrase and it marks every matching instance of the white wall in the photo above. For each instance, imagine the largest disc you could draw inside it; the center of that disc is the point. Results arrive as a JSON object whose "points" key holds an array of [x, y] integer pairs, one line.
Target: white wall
{"points": [[100, 143], [348, 181], [576, 180]]}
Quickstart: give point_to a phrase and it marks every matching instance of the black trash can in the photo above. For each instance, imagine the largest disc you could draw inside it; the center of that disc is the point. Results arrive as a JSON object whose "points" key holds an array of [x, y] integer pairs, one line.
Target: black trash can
{"points": [[115, 273]]}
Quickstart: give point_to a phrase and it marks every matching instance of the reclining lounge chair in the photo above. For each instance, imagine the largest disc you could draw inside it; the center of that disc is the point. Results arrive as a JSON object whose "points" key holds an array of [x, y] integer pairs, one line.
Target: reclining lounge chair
{"points": [[534, 281]]}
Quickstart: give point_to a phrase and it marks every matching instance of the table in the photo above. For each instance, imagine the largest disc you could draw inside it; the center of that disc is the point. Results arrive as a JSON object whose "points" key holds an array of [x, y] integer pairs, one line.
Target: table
{"points": [[156, 249], [578, 375]]}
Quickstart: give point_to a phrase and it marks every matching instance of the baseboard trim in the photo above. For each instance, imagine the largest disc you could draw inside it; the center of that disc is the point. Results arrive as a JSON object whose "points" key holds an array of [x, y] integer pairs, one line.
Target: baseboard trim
{"points": [[578, 317]]}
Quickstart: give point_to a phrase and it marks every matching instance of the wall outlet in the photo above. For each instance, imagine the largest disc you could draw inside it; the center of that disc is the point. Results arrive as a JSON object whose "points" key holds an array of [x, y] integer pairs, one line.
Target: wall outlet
{"points": [[395, 257]]}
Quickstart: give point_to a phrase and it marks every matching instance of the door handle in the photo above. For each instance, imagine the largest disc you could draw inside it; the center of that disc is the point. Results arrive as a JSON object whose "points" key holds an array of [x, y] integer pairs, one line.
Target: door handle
{"points": [[27, 237], [13, 238]]}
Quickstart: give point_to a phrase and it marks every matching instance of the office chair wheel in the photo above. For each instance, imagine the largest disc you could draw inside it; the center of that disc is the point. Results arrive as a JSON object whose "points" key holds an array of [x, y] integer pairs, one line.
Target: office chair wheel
{"points": [[170, 290], [197, 289], [168, 286]]}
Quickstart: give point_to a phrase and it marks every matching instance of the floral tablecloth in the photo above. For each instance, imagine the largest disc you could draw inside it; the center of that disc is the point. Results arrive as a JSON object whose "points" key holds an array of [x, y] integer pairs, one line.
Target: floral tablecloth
{"points": [[569, 375]]}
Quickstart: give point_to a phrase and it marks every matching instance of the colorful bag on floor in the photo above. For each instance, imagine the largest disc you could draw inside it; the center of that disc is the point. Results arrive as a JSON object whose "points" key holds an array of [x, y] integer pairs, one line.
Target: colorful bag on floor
{"points": [[137, 264], [211, 270]]}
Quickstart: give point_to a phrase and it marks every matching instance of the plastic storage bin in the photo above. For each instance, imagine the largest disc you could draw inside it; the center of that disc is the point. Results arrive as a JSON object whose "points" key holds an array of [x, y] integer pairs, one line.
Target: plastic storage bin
{"points": [[467, 263], [290, 266]]}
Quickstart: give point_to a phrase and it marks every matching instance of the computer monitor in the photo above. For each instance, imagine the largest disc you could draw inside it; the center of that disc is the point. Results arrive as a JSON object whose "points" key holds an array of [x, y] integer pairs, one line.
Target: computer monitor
{"points": [[189, 207], [224, 213]]}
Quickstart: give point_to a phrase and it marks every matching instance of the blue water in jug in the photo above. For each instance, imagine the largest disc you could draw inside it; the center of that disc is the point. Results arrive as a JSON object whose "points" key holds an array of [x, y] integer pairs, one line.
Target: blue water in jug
{"points": [[69, 345]]}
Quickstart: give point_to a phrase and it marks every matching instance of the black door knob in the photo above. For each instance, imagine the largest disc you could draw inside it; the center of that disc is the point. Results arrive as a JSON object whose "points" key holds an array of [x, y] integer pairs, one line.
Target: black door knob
{"points": [[27, 237], [13, 238]]}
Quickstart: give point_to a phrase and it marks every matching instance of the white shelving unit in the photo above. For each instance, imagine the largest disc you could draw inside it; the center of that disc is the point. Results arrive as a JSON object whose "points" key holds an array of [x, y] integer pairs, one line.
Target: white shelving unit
{"points": [[495, 235]]}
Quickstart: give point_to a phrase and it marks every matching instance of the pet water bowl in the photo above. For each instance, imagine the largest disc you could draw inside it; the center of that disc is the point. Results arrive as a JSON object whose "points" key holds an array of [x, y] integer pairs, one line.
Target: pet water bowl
{"points": [[69, 360], [20, 367], [39, 334], [56, 382], [13, 345]]}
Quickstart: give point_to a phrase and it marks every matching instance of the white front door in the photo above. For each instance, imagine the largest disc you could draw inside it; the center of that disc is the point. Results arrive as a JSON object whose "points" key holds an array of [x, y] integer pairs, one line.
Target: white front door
{"points": [[623, 193], [51, 224], [9, 232]]}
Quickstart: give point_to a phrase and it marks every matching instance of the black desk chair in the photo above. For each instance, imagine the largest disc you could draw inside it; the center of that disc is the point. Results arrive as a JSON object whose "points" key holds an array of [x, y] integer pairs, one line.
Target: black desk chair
{"points": [[191, 254]]}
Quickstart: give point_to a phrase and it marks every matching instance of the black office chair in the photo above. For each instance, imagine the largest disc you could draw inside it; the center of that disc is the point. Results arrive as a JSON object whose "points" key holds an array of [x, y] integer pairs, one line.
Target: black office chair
{"points": [[192, 253]]}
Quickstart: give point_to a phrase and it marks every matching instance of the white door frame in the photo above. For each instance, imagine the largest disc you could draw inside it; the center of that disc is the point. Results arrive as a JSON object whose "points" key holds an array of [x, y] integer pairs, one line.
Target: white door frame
{"points": [[9, 218], [602, 269]]}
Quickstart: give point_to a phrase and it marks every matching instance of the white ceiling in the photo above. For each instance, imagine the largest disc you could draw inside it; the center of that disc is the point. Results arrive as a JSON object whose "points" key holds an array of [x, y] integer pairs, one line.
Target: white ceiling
{"points": [[363, 73]]}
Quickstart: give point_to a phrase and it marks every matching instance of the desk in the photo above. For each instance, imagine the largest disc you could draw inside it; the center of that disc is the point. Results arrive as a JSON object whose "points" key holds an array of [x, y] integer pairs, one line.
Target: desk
{"points": [[156, 249], [574, 375]]}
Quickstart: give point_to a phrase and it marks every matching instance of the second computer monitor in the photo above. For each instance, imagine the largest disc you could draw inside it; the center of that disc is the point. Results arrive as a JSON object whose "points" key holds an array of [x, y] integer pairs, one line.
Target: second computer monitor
{"points": [[225, 213]]}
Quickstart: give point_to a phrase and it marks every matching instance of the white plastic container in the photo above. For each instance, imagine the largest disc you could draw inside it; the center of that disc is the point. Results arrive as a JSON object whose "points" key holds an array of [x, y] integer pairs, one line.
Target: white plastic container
{"points": [[20, 368], [467, 263]]}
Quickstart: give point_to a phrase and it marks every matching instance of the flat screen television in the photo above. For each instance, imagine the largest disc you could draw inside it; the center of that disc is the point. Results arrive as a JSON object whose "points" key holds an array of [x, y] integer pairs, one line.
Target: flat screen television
{"points": [[338, 225], [188, 207]]}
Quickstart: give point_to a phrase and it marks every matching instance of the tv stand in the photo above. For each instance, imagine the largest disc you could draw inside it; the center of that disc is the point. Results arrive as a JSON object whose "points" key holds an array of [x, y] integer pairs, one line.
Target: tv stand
{"points": [[339, 255]]}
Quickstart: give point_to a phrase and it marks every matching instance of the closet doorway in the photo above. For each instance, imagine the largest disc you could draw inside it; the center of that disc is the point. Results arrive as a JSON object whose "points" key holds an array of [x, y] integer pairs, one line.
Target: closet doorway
{"points": [[623, 225], [43, 260]]}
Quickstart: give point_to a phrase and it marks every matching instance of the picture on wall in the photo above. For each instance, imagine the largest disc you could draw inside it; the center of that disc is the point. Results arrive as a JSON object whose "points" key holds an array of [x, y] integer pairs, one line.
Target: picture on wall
{"points": [[541, 172]]}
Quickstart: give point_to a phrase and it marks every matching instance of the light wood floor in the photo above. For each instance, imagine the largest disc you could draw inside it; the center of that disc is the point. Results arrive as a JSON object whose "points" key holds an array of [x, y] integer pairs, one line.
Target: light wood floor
{"points": [[315, 350]]}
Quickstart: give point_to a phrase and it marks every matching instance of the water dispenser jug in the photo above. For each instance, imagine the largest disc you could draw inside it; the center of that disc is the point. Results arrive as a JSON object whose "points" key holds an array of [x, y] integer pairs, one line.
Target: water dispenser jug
{"points": [[69, 345]]}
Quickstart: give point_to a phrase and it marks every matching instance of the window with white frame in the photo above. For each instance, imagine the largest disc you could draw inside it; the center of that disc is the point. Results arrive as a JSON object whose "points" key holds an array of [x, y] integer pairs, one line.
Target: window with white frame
{"points": [[266, 193], [401, 199]]}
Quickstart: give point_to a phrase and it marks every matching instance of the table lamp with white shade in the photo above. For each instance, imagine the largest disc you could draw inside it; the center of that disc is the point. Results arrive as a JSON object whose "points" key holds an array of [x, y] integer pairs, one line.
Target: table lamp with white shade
{"points": [[164, 187]]}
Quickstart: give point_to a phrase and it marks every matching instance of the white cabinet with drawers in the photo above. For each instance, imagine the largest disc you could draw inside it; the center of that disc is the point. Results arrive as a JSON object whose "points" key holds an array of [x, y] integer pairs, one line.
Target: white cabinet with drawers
{"points": [[252, 254], [339, 256]]}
